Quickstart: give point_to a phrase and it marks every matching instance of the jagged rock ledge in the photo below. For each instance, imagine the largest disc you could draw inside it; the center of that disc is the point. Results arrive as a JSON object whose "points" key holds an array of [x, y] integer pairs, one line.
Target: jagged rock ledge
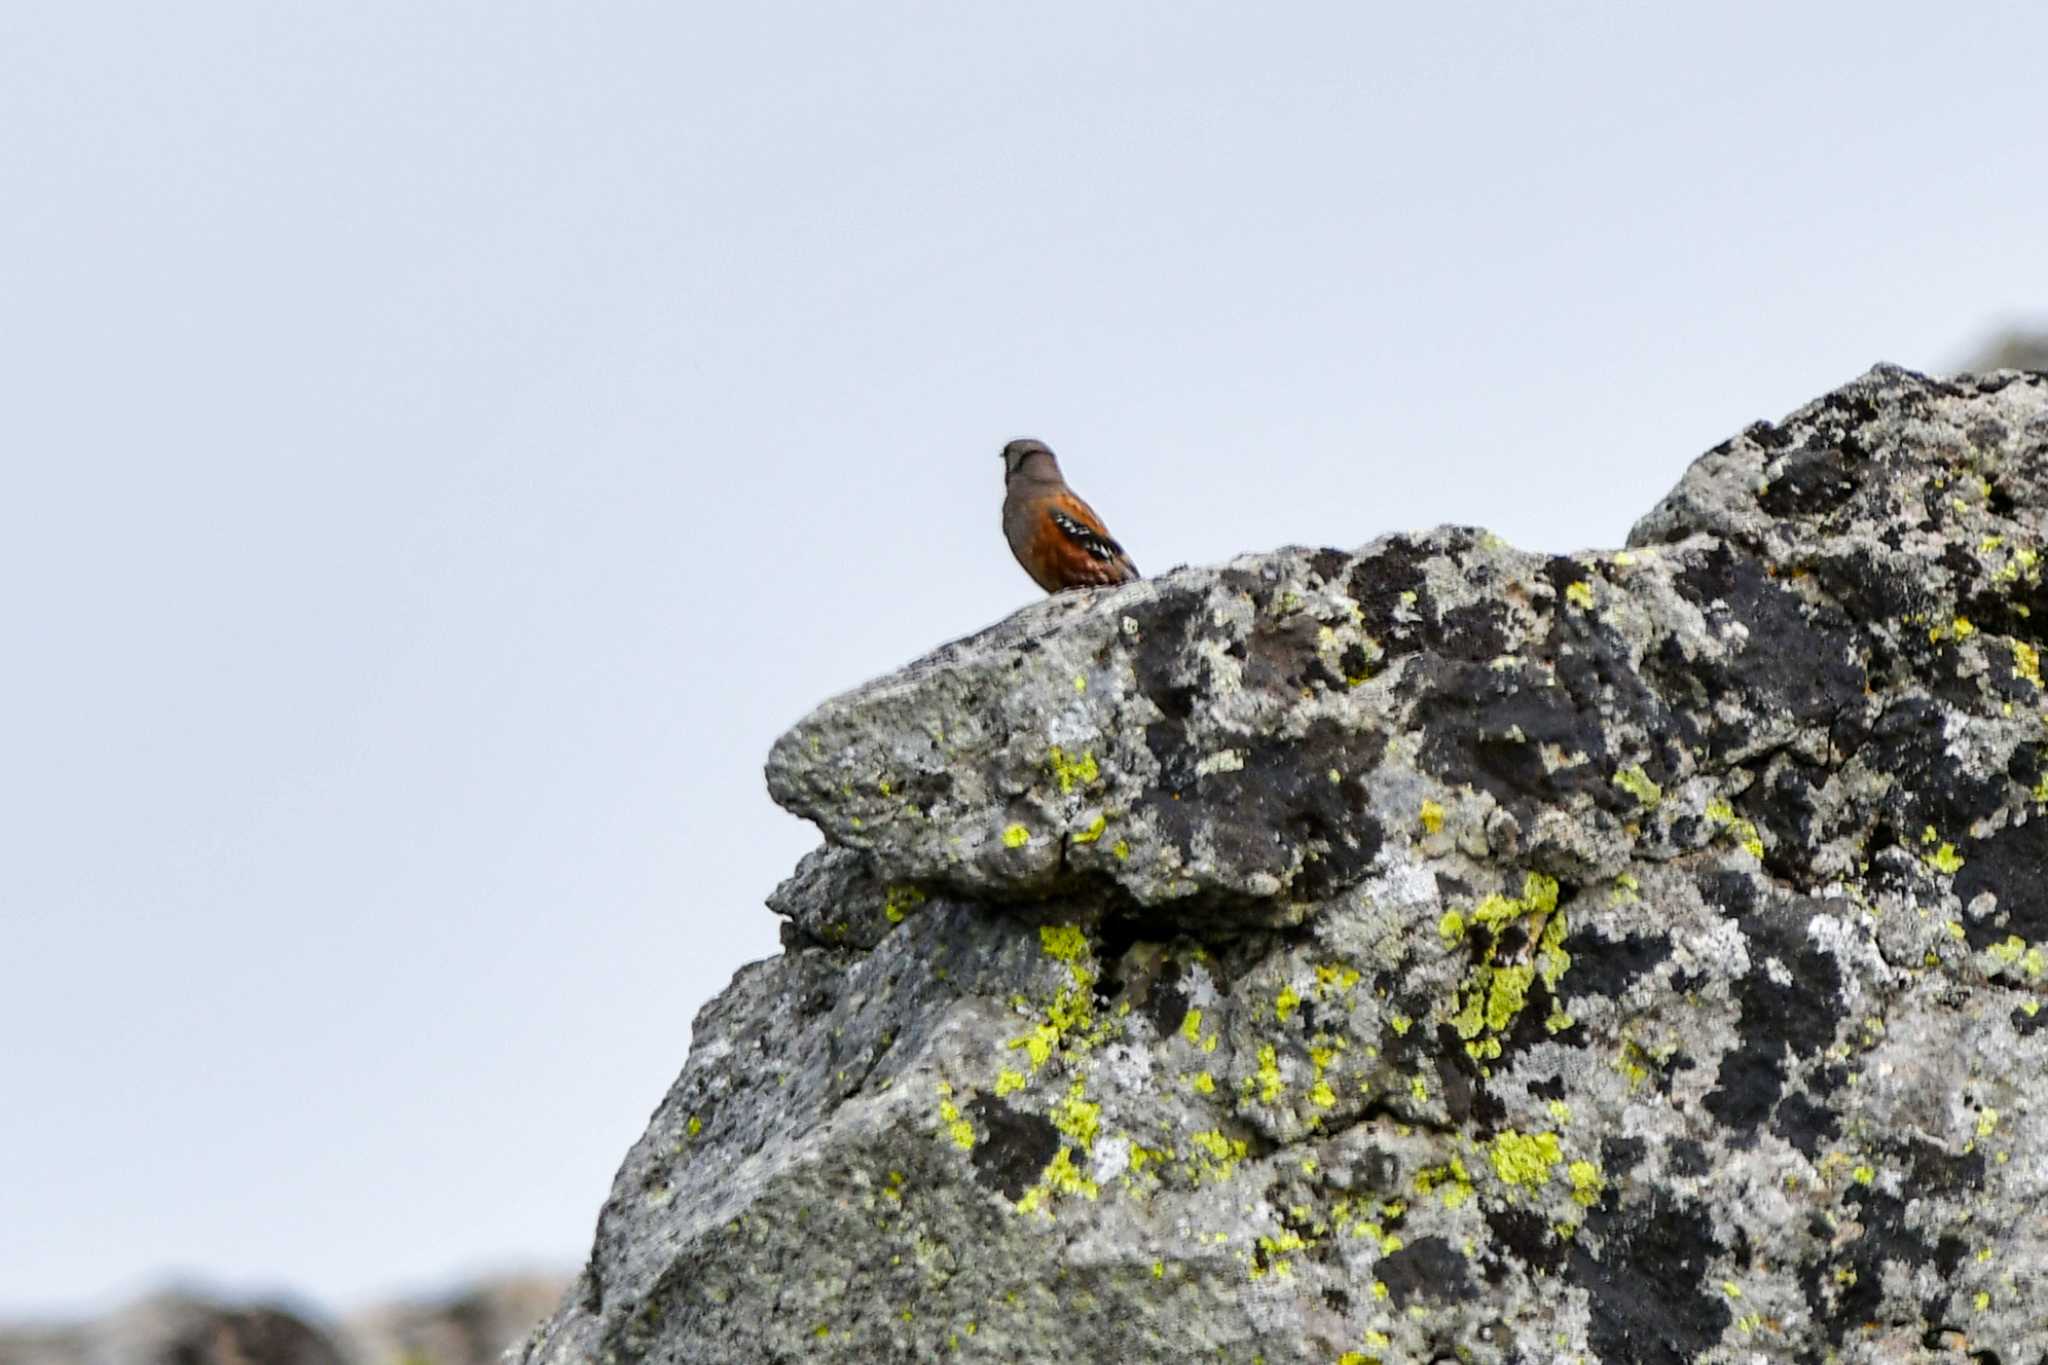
{"points": [[1432, 951]]}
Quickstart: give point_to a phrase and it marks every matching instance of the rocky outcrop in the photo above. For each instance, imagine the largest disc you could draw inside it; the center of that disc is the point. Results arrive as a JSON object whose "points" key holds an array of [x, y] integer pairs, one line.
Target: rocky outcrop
{"points": [[1430, 951]]}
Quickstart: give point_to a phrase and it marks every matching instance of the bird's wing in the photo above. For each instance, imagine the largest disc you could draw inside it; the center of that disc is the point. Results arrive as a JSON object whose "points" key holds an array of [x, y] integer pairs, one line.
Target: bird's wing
{"points": [[1077, 522]]}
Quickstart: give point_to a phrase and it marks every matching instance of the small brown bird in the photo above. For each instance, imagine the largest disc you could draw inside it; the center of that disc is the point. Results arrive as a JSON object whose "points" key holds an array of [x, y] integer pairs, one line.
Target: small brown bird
{"points": [[1056, 537]]}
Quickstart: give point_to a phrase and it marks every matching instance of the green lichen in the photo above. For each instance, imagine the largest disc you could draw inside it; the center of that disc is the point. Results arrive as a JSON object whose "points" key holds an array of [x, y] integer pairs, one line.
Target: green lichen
{"points": [[1449, 1182], [1069, 1022], [1270, 1085], [1340, 978], [2026, 662], [899, 901], [1066, 942], [958, 1128], [1723, 814], [1525, 1159], [1060, 1177], [1077, 1117], [1216, 1156], [1071, 772], [1038, 1044], [1494, 992], [1637, 783]]}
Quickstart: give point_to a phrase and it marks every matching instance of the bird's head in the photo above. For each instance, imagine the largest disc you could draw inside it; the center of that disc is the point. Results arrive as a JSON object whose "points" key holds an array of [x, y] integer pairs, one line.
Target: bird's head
{"points": [[1029, 459]]}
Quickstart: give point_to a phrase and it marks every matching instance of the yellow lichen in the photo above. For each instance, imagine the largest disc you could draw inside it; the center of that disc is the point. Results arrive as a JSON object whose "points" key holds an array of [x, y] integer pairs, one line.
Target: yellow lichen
{"points": [[899, 901], [1494, 993], [1340, 977], [1063, 941], [1525, 1158], [1286, 1003], [2026, 662], [1016, 836], [1077, 1117], [1270, 1084], [1071, 772], [1094, 831], [1450, 1182], [961, 1131], [1060, 1176], [1432, 817], [1723, 814], [1038, 1044], [1638, 784], [1580, 595]]}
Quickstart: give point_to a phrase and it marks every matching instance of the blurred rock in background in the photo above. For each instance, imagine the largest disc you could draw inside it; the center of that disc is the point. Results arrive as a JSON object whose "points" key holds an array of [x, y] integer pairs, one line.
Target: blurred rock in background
{"points": [[470, 1327], [2016, 348]]}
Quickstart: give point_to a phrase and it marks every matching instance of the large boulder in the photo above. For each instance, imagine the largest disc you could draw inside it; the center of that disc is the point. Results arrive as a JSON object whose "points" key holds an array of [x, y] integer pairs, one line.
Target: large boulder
{"points": [[1432, 950]]}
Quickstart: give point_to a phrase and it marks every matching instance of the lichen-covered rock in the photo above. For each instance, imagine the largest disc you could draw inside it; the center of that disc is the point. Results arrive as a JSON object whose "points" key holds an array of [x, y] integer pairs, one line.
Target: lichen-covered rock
{"points": [[1430, 951]]}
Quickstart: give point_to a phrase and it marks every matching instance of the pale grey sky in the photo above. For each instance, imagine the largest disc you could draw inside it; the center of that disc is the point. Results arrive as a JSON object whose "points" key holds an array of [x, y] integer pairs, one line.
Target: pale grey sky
{"points": [[446, 443]]}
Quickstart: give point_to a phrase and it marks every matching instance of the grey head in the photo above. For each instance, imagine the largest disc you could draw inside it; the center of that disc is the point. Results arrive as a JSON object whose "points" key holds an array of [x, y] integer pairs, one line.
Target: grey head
{"points": [[1029, 459]]}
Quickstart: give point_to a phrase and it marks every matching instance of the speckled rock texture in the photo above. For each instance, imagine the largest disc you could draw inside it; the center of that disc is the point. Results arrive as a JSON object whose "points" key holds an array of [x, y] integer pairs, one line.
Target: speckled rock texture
{"points": [[1433, 951]]}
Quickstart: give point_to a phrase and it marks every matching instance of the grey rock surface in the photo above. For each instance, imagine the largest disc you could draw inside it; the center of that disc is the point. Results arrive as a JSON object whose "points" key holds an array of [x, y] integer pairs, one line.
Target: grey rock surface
{"points": [[1429, 951]]}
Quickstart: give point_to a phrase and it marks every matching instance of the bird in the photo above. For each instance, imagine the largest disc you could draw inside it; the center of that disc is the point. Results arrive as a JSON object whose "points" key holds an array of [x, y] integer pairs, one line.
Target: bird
{"points": [[1057, 537]]}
